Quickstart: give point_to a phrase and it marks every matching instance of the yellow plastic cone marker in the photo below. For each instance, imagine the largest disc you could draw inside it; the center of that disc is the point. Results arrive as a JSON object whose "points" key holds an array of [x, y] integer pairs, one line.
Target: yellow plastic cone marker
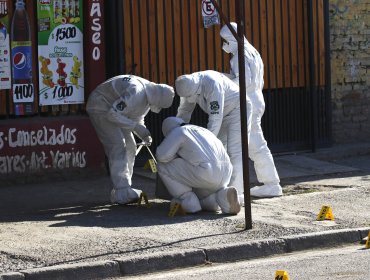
{"points": [[145, 197], [326, 213], [281, 275], [367, 244], [151, 164], [175, 208]]}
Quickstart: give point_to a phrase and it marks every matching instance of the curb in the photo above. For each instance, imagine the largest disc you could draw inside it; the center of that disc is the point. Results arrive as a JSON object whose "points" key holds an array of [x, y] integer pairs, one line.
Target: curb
{"points": [[154, 262]]}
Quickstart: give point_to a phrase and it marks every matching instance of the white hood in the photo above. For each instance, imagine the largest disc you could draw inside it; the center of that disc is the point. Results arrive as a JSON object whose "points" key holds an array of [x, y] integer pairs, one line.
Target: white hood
{"points": [[171, 123], [159, 95], [187, 85]]}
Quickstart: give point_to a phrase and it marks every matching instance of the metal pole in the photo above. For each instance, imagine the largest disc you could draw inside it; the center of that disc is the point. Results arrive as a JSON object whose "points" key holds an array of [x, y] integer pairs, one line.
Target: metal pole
{"points": [[243, 103], [243, 113], [313, 89], [327, 71]]}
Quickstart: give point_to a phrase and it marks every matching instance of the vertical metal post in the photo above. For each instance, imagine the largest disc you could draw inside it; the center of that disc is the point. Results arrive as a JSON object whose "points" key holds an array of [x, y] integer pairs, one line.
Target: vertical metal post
{"points": [[313, 91], [327, 71], [239, 5], [243, 113]]}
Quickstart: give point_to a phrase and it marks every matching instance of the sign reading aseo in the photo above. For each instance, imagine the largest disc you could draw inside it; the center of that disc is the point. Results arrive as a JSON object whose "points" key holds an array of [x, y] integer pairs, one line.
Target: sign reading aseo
{"points": [[209, 13]]}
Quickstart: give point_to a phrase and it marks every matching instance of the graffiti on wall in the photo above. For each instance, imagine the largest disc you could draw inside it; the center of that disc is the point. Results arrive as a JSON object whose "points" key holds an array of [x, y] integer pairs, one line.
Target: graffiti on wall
{"points": [[339, 10], [43, 148]]}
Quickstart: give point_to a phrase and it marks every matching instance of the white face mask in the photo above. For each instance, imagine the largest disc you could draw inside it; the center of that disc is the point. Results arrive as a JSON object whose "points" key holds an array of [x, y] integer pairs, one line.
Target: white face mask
{"points": [[155, 109], [225, 47], [230, 47]]}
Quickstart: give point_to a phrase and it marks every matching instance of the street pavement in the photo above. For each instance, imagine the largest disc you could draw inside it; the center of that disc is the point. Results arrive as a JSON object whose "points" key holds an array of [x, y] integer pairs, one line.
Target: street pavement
{"points": [[69, 230]]}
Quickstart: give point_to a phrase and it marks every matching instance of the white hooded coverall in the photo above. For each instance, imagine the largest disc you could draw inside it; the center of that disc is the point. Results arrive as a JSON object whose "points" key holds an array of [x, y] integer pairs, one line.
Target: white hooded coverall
{"points": [[194, 166], [219, 97], [258, 150], [117, 108]]}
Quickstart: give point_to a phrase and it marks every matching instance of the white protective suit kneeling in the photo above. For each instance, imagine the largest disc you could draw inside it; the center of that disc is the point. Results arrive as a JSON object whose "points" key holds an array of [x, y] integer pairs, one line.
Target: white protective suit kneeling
{"points": [[195, 168], [259, 152], [218, 96], [117, 108]]}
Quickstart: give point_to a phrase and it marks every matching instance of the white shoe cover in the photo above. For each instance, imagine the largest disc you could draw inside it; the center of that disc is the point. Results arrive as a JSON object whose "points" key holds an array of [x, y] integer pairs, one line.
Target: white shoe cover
{"points": [[228, 200], [241, 199], [267, 191], [124, 196], [189, 202], [209, 203]]}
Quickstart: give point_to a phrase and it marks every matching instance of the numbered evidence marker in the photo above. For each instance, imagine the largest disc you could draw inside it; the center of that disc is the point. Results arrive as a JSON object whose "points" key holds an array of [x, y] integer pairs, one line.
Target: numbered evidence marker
{"points": [[281, 275], [144, 196], [176, 207], [367, 244], [151, 164], [326, 213]]}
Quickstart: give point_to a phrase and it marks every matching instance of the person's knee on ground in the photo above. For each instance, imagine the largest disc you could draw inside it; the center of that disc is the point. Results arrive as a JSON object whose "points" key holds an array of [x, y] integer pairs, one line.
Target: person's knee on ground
{"points": [[124, 195], [189, 202]]}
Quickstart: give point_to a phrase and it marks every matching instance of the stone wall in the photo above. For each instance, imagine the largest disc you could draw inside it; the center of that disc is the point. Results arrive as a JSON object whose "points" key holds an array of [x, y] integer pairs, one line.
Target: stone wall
{"points": [[350, 69]]}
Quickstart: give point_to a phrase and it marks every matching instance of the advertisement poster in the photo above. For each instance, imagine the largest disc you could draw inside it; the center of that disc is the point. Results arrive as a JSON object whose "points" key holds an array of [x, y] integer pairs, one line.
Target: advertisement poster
{"points": [[60, 48], [5, 67], [21, 50]]}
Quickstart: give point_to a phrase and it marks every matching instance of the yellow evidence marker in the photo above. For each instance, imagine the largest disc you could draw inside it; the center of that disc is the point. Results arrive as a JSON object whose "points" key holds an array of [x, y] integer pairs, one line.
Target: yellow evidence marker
{"points": [[326, 213], [367, 244], [176, 207], [151, 164], [144, 196], [281, 275]]}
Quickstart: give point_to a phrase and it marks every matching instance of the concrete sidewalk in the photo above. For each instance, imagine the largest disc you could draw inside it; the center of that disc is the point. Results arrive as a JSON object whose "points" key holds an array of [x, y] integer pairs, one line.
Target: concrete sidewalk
{"points": [[69, 230]]}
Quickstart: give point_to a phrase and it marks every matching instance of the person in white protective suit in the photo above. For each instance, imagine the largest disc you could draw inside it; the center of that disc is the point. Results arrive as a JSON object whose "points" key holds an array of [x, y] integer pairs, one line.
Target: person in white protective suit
{"points": [[259, 152], [218, 96], [117, 108], [195, 168]]}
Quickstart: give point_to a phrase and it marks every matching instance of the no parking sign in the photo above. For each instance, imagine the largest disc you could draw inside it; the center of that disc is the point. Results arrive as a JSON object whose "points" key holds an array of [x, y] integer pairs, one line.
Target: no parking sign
{"points": [[209, 13]]}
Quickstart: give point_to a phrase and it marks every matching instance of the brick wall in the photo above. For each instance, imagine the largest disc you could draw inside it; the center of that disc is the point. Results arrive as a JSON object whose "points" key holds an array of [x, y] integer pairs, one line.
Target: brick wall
{"points": [[350, 64]]}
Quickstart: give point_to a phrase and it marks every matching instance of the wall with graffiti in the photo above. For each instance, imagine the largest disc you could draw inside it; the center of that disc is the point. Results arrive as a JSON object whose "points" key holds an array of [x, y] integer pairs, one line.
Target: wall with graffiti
{"points": [[49, 148], [350, 69]]}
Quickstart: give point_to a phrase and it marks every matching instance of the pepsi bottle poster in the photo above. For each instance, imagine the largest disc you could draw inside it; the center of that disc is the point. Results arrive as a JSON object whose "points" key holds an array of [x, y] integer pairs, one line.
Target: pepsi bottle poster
{"points": [[21, 52], [60, 50], [5, 66]]}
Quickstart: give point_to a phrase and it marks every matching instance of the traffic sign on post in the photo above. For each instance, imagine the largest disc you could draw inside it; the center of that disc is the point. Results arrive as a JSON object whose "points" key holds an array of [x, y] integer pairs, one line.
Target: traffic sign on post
{"points": [[209, 13]]}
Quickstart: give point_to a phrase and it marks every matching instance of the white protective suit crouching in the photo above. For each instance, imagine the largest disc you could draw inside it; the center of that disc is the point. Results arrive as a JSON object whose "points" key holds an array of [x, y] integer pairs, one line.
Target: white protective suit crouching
{"points": [[258, 150], [195, 168], [117, 108], [219, 97]]}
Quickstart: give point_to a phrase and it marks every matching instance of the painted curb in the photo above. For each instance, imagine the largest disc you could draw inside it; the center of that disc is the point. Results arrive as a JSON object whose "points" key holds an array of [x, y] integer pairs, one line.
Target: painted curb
{"points": [[245, 250], [321, 239], [81, 271], [161, 261]]}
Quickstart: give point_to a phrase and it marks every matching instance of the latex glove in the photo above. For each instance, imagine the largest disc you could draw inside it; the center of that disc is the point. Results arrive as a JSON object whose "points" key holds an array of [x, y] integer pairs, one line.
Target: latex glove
{"points": [[142, 132]]}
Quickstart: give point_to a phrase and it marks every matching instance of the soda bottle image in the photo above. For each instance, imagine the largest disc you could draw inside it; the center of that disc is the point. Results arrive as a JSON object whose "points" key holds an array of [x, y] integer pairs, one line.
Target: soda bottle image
{"points": [[21, 49], [57, 11]]}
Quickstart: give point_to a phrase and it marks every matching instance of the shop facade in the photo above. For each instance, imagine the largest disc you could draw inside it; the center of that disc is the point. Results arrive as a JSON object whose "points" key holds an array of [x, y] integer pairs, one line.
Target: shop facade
{"points": [[77, 44]]}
